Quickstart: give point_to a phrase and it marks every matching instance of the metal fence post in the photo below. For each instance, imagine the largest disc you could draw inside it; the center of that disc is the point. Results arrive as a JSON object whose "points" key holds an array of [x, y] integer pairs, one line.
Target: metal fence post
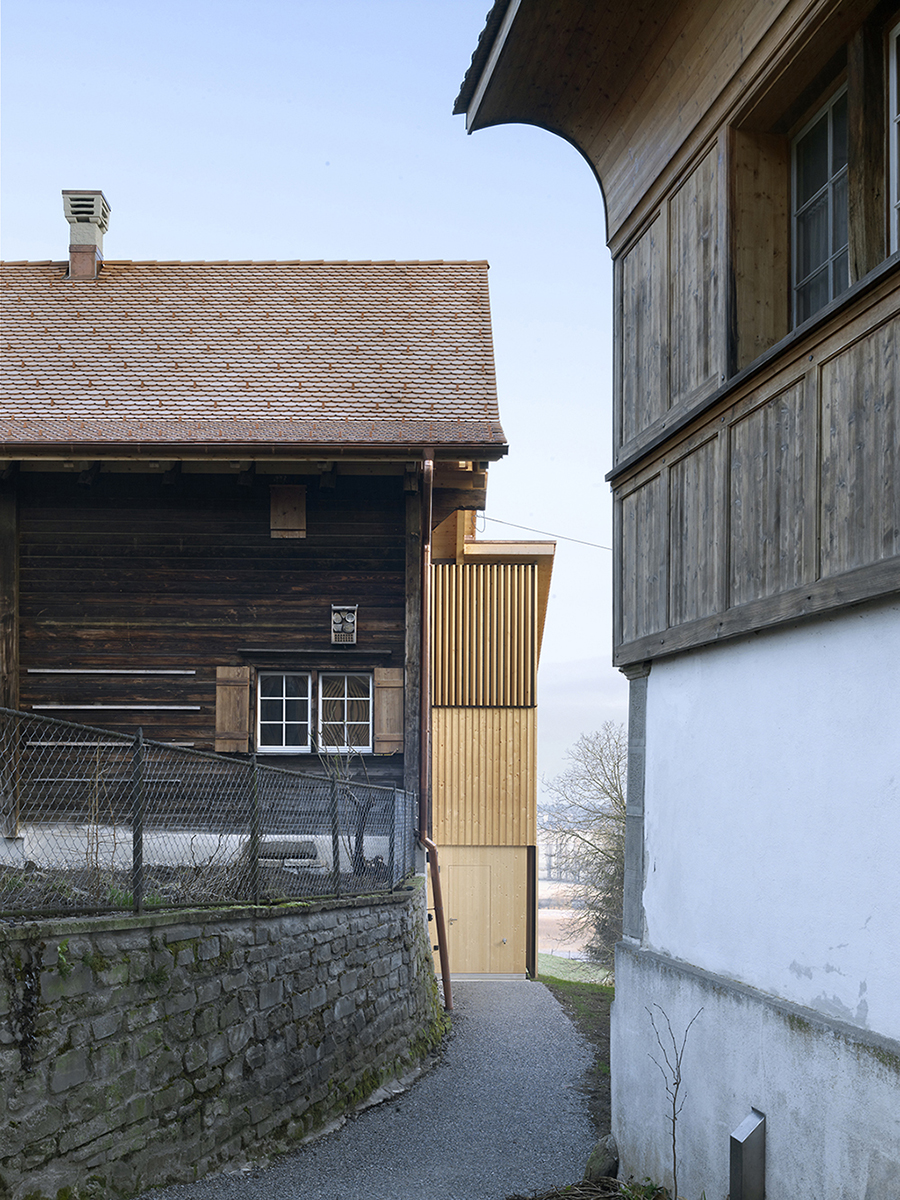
{"points": [[335, 839], [138, 805], [255, 831], [392, 838]]}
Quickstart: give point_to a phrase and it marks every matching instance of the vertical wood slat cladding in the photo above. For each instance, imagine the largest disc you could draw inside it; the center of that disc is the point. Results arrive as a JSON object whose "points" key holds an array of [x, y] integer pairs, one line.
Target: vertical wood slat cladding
{"points": [[132, 574], [484, 765], [785, 486], [644, 380], [644, 543], [693, 535], [696, 339], [772, 527], [860, 507], [484, 634]]}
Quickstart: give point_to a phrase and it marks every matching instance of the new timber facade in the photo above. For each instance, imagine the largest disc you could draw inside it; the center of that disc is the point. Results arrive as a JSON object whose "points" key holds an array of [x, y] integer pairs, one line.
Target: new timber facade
{"points": [[749, 162], [489, 602]]}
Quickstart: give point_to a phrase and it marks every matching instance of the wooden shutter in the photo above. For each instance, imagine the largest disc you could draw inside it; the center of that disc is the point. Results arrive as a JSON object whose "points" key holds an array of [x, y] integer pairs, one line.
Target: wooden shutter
{"points": [[388, 714], [287, 511], [232, 710]]}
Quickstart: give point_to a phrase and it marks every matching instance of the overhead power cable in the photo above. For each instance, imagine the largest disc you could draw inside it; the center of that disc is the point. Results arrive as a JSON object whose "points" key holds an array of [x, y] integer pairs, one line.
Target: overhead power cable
{"points": [[560, 536]]}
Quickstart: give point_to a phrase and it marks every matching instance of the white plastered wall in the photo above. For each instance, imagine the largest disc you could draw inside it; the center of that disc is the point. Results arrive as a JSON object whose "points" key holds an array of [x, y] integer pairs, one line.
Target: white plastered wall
{"points": [[772, 802], [771, 902]]}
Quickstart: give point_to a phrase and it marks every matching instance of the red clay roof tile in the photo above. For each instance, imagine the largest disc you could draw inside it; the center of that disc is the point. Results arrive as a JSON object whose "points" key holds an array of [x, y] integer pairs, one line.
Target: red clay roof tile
{"points": [[297, 353]]}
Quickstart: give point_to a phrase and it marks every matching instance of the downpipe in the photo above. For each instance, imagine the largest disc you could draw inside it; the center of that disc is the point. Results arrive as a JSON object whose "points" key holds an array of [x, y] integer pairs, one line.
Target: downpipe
{"points": [[425, 731]]}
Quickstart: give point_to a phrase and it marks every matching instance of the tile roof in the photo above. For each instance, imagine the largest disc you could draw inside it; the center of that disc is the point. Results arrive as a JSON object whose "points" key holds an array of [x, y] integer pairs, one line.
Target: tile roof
{"points": [[286, 354]]}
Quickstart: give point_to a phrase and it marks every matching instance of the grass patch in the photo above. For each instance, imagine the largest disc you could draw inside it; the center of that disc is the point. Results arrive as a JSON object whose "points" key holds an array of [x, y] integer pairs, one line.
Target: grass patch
{"points": [[570, 968], [587, 1001]]}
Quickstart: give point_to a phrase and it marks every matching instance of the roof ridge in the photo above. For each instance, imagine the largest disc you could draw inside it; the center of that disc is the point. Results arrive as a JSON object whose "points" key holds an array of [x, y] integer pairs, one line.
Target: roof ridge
{"points": [[260, 262]]}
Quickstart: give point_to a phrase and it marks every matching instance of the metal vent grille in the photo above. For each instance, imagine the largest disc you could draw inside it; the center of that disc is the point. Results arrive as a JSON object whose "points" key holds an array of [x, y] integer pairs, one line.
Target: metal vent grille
{"points": [[86, 208]]}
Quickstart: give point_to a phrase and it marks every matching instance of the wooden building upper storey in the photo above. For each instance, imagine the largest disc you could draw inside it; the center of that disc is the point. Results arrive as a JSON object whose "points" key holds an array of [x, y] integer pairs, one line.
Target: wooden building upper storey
{"points": [[748, 159]]}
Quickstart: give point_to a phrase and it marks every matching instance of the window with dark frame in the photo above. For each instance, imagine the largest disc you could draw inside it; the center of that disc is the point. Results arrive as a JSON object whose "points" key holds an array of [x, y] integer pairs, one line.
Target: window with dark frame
{"points": [[819, 210]]}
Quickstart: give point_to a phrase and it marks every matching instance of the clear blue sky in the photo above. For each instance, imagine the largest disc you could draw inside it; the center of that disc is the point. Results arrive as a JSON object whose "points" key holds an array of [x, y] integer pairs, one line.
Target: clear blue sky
{"points": [[260, 129]]}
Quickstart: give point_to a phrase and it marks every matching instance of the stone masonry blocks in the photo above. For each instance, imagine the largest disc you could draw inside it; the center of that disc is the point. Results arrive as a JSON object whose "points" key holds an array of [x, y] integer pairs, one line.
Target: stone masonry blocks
{"points": [[165, 1043]]}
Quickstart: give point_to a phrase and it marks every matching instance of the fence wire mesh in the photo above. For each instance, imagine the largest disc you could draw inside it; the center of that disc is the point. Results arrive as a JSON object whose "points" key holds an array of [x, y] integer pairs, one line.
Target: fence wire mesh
{"points": [[94, 820]]}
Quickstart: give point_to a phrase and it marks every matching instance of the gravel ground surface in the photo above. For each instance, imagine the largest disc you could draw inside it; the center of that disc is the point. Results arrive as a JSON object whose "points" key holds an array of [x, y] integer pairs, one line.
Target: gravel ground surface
{"points": [[502, 1112]]}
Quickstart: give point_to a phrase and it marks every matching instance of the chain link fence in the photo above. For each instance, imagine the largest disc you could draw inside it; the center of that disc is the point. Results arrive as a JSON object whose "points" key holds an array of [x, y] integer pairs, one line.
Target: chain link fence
{"points": [[92, 820]]}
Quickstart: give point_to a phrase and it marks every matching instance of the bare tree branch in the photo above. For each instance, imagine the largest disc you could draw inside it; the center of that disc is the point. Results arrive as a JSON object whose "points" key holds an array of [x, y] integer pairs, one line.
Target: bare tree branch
{"points": [[585, 818]]}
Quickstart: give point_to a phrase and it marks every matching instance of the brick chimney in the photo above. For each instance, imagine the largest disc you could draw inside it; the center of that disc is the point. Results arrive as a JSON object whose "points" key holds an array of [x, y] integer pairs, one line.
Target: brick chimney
{"points": [[88, 217]]}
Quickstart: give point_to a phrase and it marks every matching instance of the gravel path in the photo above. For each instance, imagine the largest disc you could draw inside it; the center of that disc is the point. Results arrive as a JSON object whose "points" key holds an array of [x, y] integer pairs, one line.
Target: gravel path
{"points": [[502, 1112]]}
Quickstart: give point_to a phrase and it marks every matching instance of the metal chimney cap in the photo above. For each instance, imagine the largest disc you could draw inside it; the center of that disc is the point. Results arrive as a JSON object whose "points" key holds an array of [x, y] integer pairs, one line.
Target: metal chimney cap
{"points": [[86, 208]]}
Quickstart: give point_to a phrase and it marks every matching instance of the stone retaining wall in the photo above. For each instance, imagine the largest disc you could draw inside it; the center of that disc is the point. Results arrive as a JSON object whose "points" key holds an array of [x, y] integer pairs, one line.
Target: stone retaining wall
{"points": [[147, 1050]]}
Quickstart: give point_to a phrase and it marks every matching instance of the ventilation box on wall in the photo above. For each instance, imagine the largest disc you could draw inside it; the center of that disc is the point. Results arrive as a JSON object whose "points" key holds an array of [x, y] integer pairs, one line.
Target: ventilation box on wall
{"points": [[343, 623]]}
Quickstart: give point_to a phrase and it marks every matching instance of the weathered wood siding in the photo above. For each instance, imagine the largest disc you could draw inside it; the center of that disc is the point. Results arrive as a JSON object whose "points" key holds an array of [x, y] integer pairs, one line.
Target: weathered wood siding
{"points": [[644, 392], [771, 541], [170, 583], [696, 325], [781, 500], [484, 634], [484, 776], [671, 308]]}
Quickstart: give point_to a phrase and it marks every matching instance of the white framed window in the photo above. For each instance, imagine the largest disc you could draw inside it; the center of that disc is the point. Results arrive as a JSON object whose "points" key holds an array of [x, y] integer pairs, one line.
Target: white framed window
{"points": [[819, 217], [894, 136], [345, 711], [337, 712], [285, 712]]}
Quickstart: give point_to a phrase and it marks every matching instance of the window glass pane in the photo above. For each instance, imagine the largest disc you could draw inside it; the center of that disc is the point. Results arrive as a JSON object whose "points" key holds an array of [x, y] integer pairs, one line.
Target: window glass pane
{"points": [[332, 736], [812, 295], [332, 685], [839, 235], [295, 710], [270, 710], [839, 134], [357, 735], [295, 735], [812, 160], [295, 685], [332, 710], [358, 710], [840, 279], [270, 685], [270, 735], [812, 237], [358, 685]]}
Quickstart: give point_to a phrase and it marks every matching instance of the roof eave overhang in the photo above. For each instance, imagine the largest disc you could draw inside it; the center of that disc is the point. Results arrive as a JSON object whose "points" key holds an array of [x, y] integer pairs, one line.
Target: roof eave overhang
{"points": [[509, 51], [304, 451]]}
